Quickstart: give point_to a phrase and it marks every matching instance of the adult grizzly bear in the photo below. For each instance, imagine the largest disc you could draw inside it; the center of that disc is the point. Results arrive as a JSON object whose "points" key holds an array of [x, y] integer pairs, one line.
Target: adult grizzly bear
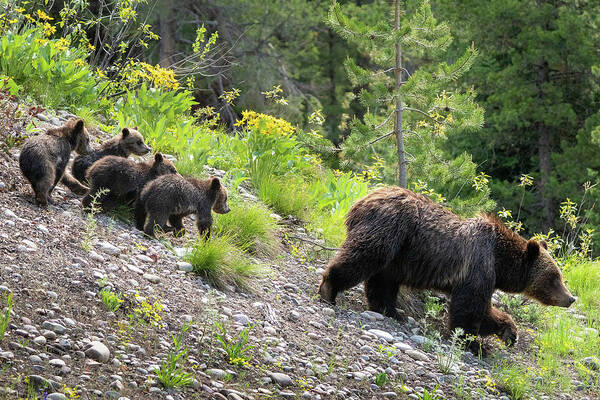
{"points": [[43, 158], [129, 141], [124, 178], [172, 197], [397, 237]]}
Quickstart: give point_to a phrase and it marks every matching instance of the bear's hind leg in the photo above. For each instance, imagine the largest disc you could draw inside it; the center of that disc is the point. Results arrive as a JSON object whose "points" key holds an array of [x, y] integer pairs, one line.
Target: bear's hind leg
{"points": [[155, 221], [382, 291], [177, 224]]}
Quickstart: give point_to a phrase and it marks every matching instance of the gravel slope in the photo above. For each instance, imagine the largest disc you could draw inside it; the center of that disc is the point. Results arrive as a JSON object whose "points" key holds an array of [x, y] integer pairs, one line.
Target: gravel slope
{"points": [[63, 341]]}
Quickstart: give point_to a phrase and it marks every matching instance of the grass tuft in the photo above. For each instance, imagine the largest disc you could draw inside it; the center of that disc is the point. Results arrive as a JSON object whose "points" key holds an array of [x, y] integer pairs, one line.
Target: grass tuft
{"points": [[249, 226], [221, 262]]}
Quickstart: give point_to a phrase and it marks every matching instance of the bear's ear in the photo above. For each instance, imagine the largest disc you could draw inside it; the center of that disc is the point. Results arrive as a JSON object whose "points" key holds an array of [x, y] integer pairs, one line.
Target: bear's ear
{"points": [[215, 184], [78, 126], [533, 249], [124, 132], [544, 244], [158, 158]]}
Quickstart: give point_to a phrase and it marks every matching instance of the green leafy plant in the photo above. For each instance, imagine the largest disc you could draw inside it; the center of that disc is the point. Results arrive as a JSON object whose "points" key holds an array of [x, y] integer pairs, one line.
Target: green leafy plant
{"points": [[6, 304], [447, 360], [381, 379], [49, 69], [90, 220], [427, 395], [111, 300], [171, 374], [236, 348]]}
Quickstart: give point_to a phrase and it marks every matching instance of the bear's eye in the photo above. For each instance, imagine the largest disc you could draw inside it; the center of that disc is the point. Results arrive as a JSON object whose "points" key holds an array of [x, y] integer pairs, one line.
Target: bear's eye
{"points": [[139, 142]]}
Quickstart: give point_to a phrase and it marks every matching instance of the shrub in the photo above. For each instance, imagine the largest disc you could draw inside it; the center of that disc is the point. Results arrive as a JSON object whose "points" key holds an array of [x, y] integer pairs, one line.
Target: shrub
{"points": [[48, 69], [219, 261], [161, 115]]}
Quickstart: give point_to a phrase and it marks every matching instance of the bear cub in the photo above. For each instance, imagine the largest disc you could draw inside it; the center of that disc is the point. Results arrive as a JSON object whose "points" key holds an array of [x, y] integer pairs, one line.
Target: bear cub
{"points": [[43, 158], [396, 237], [172, 197], [129, 141], [123, 178]]}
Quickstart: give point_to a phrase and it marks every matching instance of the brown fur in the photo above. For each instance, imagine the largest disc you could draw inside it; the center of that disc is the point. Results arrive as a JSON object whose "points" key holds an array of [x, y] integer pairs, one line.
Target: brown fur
{"points": [[397, 237], [43, 158], [173, 197], [129, 141], [123, 178]]}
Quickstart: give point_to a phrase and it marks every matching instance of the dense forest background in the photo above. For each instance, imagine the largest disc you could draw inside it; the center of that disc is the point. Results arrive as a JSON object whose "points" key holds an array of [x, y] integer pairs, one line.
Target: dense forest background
{"points": [[535, 78]]}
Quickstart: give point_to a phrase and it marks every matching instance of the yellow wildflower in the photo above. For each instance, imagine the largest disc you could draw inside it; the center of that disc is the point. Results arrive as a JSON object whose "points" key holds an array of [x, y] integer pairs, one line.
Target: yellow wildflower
{"points": [[20, 10], [41, 41], [100, 73], [91, 47], [79, 62], [49, 29], [43, 16], [13, 21], [62, 44], [29, 18], [265, 124]]}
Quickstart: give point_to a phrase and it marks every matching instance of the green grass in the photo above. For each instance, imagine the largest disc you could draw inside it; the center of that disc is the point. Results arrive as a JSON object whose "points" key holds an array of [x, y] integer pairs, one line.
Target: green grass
{"points": [[286, 195], [583, 279], [6, 304], [249, 225], [221, 262], [513, 379]]}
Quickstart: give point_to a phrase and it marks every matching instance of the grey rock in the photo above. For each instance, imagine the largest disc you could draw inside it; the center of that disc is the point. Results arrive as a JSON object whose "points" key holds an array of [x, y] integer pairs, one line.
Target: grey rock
{"points": [[57, 363], [152, 278], [372, 315], [281, 379], [56, 396], [54, 327], [109, 248], [185, 266], [382, 334], [417, 355], [592, 363], [242, 319], [216, 373], [97, 351]]}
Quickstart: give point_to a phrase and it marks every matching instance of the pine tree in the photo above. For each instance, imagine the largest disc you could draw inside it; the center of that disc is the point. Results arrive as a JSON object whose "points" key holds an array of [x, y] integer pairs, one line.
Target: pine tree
{"points": [[417, 106]]}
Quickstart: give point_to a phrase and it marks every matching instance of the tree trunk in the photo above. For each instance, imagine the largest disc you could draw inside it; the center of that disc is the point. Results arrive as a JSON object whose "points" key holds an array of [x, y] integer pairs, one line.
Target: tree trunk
{"points": [[398, 111], [167, 35], [544, 154]]}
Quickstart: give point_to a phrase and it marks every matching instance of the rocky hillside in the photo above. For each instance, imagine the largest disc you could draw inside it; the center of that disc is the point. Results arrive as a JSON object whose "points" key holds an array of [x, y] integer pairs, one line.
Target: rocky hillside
{"points": [[63, 342]]}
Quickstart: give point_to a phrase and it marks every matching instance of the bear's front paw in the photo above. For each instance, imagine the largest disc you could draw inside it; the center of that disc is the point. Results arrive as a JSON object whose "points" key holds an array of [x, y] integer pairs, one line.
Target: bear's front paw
{"points": [[509, 335]]}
